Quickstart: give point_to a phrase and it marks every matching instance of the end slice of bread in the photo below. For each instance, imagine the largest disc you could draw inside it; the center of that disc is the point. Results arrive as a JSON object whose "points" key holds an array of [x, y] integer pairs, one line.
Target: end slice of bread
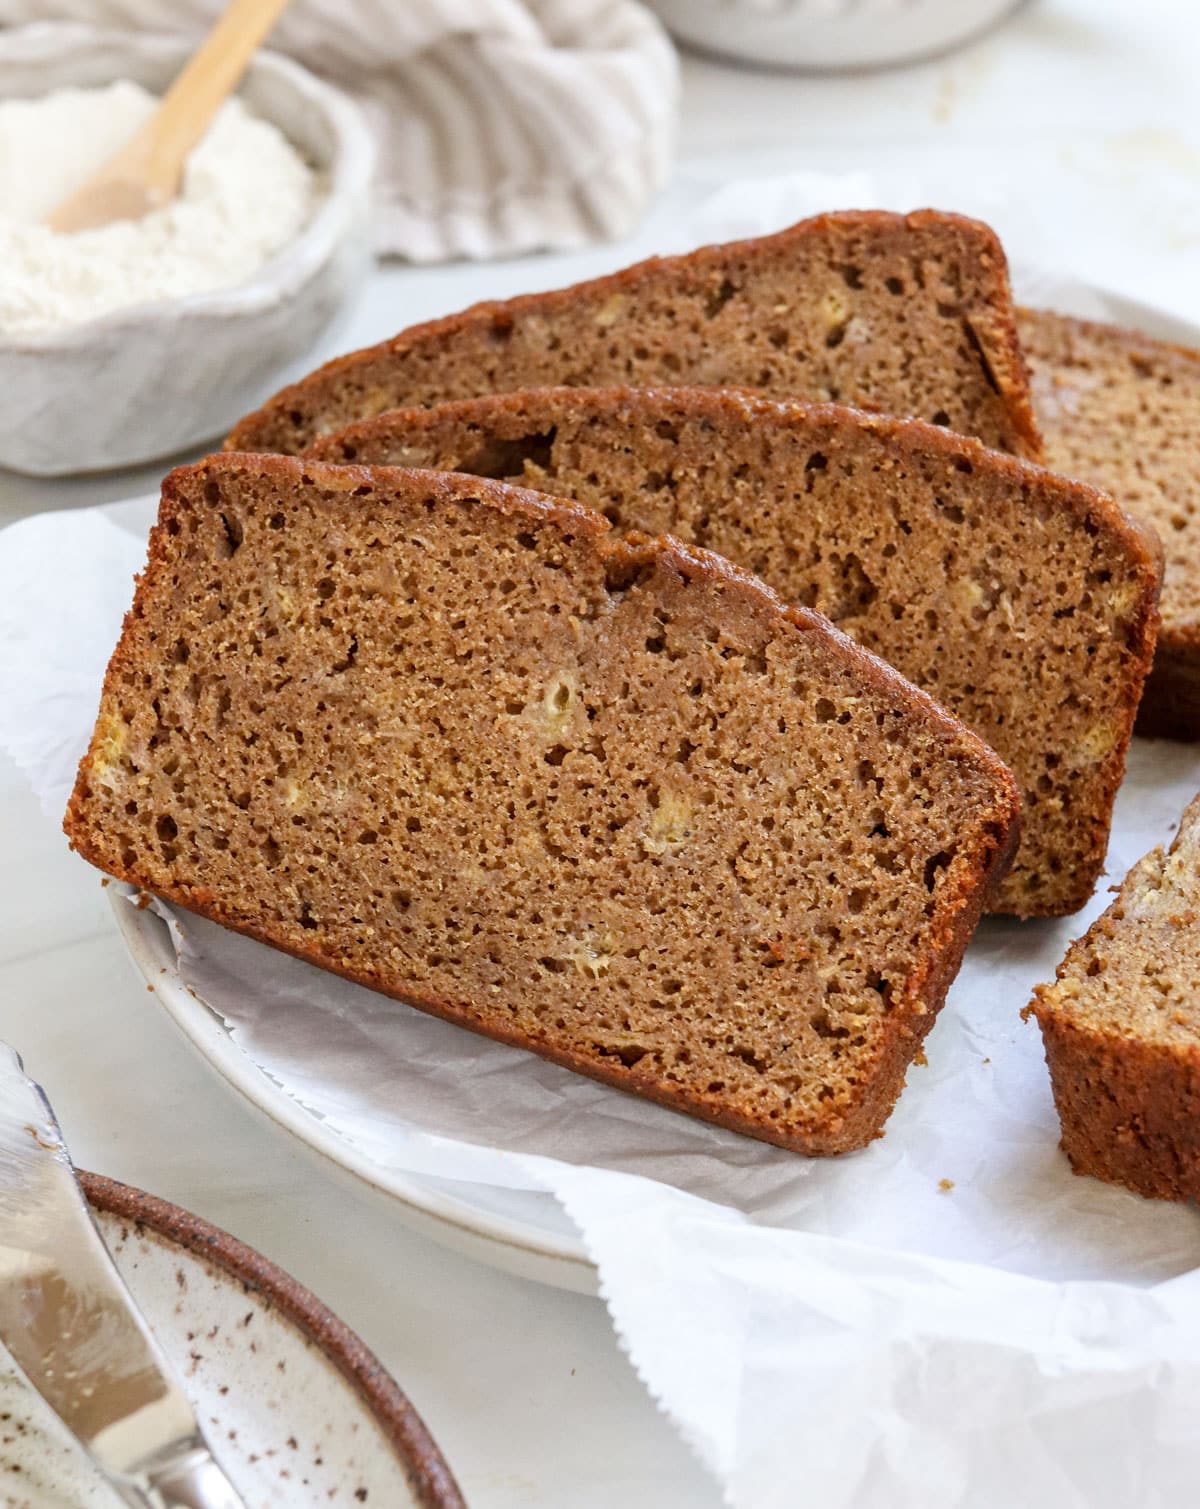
{"points": [[1121, 1027], [606, 800], [903, 314], [1123, 411], [1024, 602]]}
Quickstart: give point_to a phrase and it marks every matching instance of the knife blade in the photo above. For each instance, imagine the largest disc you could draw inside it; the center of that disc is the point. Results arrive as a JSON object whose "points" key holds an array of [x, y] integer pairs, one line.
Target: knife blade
{"points": [[73, 1328]]}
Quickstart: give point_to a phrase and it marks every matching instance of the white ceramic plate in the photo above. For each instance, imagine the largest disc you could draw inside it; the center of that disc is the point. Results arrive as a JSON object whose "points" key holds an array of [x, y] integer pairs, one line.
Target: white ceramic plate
{"points": [[296, 1408], [520, 1231]]}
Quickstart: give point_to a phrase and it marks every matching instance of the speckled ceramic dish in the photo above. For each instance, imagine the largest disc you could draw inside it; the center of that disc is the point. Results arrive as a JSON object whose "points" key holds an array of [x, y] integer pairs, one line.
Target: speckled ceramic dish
{"points": [[296, 1407]]}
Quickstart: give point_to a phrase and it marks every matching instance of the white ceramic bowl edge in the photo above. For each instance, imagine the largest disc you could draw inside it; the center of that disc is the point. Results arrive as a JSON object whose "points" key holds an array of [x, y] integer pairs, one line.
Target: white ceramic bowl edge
{"points": [[828, 34], [155, 379]]}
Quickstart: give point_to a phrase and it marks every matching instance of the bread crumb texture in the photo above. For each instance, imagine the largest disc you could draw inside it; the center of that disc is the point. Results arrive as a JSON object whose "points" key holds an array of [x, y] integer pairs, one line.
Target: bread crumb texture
{"points": [[1121, 1026], [611, 802], [1123, 411], [1022, 601], [904, 314]]}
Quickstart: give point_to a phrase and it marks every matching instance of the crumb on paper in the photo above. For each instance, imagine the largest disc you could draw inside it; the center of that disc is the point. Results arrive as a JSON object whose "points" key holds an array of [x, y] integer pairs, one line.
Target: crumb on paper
{"points": [[947, 97], [104, 881], [150, 988], [945, 1185], [987, 1060]]}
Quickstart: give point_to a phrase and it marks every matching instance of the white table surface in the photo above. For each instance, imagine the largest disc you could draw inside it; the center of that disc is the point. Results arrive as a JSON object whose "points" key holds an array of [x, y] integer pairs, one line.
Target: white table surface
{"points": [[525, 1387]]}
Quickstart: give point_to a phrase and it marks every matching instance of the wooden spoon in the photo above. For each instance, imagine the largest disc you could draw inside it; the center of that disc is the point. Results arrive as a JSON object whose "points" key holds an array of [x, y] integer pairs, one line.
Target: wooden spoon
{"points": [[145, 174]]}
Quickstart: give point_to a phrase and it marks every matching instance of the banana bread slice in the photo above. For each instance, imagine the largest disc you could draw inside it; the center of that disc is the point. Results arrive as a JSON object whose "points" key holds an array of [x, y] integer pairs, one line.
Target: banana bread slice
{"points": [[902, 314], [1123, 411], [1025, 603], [1121, 1028], [611, 801]]}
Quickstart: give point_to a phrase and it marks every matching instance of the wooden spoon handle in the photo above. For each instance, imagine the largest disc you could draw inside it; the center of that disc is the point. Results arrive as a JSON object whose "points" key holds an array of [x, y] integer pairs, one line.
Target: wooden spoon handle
{"points": [[189, 105]]}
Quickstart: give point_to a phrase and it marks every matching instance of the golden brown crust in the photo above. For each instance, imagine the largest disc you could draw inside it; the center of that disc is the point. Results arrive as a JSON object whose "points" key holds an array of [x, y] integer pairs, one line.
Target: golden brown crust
{"points": [[991, 328], [848, 1135], [1060, 345], [910, 1022], [1084, 499], [1130, 1113], [1119, 1026], [1142, 639], [906, 441], [986, 849], [1170, 705]]}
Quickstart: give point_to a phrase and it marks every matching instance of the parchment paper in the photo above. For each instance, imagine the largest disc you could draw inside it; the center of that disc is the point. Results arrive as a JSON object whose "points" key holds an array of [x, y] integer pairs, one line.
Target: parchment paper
{"points": [[845, 1332]]}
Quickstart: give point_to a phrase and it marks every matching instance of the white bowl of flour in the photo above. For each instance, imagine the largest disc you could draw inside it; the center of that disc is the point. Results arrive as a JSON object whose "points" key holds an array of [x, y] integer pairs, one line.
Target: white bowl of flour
{"points": [[143, 339]]}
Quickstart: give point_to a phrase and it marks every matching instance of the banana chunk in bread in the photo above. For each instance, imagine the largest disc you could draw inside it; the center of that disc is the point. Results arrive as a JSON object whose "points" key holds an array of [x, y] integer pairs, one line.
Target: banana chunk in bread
{"points": [[904, 314], [1024, 602], [610, 801], [1121, 1028], [1123, 411]]}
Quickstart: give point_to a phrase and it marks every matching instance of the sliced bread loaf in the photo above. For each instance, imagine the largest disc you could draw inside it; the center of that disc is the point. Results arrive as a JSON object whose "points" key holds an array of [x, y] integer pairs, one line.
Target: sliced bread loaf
{"points": [[1121, 1027], [1123, 411], [903, 314], [609, 801], [1022, 601]]}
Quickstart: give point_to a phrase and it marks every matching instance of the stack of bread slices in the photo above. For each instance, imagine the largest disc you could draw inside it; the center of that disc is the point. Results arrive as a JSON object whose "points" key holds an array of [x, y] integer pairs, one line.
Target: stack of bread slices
{"points": [[665, 674]]}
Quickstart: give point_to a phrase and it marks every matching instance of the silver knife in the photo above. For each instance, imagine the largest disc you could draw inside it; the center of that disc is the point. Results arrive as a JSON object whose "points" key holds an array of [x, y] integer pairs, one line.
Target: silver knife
{"points": [[73, 1328]]}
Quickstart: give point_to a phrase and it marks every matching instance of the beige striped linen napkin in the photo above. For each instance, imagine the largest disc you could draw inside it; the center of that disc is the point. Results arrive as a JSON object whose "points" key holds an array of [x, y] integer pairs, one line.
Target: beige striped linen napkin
{"points": [[503, 126]]}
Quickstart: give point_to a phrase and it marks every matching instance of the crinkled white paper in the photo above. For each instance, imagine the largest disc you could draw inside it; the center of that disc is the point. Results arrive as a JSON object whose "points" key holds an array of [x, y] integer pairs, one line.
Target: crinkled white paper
{"points": [[948, 1318]]}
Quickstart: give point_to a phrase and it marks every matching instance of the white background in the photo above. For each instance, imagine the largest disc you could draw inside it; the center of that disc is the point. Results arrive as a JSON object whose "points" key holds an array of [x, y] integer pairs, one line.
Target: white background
{"points": [[1087, 108]]}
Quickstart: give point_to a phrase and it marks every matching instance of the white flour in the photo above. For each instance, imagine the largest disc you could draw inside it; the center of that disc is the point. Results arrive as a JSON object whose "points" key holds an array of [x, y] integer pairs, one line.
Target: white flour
{"points": [[246, 192]]}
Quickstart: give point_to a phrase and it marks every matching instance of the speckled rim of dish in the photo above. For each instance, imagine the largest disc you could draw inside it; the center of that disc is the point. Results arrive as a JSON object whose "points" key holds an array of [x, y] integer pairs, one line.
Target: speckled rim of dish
{"points": [[429, 1476], [285, 273]]}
